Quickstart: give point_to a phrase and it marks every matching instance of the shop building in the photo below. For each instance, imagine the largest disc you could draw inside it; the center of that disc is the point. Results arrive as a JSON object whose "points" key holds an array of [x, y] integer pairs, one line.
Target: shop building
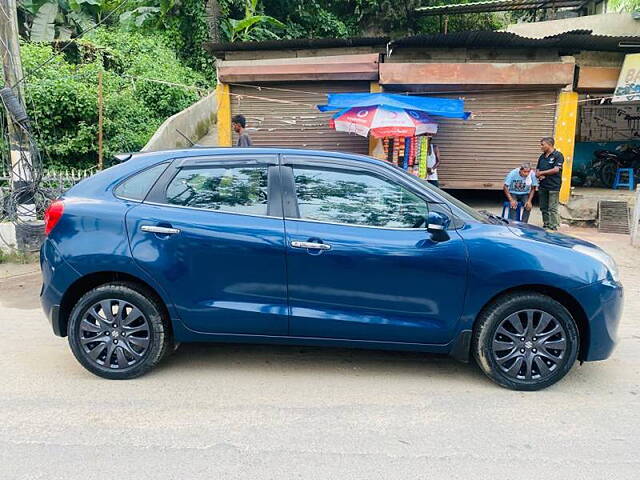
{"points": [[519, 90]]}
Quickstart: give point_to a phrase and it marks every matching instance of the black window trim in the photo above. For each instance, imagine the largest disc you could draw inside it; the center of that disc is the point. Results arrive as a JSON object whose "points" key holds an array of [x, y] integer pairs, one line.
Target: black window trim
{"points": [[157, 195], [292, 209]]}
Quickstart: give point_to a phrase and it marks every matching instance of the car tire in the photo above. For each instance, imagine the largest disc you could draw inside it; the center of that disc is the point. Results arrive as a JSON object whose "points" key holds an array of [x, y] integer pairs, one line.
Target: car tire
{"points": [[525, 341], [125, 343]]}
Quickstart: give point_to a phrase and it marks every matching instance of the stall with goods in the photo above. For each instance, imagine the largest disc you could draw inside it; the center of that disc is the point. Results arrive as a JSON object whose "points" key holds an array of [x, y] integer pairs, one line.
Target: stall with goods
{"points": [[402, 122]]}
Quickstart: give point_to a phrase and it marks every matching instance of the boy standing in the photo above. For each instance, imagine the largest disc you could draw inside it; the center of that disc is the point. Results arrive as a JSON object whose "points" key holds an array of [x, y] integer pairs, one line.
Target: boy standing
{"points": [[239, 124]]}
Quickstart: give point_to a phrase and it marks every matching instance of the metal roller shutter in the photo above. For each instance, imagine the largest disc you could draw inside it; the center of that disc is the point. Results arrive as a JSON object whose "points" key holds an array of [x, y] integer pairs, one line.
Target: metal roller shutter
{"points": [[502, 134], [298, 124]]}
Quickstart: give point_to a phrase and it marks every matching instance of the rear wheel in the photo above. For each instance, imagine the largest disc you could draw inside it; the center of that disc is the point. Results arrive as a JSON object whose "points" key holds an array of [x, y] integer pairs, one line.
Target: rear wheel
{"points": [[118, 331], [525, 341]]}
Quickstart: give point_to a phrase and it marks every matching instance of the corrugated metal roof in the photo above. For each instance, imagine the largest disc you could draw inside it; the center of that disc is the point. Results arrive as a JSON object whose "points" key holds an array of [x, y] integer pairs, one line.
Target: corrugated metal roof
{"points": [[497, 6], [299, 43], [570, 41]]}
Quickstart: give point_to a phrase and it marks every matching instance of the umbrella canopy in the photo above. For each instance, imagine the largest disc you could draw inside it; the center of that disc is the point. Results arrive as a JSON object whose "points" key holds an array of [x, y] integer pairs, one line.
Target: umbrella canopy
{"points": [[384, 122], [443, 107]]}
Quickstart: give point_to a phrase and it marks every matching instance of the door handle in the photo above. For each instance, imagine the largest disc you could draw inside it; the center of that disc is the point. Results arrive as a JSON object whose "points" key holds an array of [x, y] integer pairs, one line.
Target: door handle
{"points": [[161, 230], [311, 245]]}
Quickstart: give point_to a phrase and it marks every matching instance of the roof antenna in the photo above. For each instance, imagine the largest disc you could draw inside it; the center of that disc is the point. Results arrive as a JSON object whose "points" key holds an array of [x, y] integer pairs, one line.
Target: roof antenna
{"points": [[186, 138]]}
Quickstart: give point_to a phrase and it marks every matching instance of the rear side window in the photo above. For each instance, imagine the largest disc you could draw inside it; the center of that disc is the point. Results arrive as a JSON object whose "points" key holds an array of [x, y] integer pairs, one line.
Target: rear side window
{"points": [[137, 187], [226, 189]]}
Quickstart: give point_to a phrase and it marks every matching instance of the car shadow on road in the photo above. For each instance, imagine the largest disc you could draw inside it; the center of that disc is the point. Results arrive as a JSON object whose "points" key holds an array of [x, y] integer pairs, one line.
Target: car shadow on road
{"points": [[277, 359]]}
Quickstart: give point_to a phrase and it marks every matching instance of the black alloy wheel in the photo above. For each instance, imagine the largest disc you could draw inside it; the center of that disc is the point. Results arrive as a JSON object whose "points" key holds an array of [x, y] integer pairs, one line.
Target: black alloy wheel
{"points": [[525, 341], [119, 330], [529, 345], [115, 334]]}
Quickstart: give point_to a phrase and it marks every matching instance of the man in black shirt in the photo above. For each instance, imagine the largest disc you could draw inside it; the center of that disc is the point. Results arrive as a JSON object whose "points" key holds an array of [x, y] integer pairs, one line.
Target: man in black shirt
{"points": [[239, 123], [549, 173]]}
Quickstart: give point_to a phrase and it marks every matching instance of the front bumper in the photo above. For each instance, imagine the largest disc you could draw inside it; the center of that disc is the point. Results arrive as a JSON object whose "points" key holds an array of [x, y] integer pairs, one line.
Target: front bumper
{"points": [[57, 277], [602, 303]]}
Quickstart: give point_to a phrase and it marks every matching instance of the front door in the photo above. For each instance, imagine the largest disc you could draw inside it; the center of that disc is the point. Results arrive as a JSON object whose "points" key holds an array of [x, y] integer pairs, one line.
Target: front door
{"points": [[360, 262], [211, 232]]}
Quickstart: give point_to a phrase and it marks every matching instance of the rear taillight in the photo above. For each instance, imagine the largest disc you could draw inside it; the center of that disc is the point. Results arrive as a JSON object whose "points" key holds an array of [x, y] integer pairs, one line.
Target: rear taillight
{"points": [[52, 215]]}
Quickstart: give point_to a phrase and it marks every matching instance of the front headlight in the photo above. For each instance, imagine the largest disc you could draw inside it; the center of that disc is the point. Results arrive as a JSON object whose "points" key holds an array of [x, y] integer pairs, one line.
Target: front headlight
{"points": [[602, 257]]}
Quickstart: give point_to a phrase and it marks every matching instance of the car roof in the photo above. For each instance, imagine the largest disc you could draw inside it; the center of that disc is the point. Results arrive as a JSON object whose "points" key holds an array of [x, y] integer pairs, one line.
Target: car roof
{"points": [[198, 151]]}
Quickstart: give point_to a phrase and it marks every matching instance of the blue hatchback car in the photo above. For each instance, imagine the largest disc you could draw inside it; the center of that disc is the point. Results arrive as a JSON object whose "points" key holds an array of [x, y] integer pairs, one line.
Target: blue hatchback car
{"points": [[314, 248]]}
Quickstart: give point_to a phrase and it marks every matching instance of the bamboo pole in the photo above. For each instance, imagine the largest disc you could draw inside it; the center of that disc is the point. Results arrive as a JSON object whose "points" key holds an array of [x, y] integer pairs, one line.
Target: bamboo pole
{"points": [[100, 121]]}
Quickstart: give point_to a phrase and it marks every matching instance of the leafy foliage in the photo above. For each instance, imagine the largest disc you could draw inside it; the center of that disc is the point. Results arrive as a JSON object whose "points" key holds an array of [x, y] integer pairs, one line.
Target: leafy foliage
{"points": [[48, 20], [253, 26], [62, 96], [348, 18], [623, 5], [181, 22]]}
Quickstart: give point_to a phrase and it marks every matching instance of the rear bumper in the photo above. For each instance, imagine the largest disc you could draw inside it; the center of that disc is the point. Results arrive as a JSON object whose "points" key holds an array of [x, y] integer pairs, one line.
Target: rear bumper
{"points": [[57, 277], [602, 302]]}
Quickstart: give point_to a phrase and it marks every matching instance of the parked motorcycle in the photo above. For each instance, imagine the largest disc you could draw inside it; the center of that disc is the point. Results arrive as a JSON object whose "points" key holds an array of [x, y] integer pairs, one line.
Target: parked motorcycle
{"points": [[607, 162]]}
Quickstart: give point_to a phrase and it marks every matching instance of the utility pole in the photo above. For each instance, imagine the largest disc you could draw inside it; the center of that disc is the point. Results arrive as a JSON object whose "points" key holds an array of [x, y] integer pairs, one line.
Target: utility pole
{"points": [[17, 120], [100, 121]]}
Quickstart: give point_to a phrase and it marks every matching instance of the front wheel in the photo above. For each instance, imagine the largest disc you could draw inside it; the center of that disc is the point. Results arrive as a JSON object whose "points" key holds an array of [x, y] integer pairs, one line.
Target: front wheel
{"points": [[525, 341], [608, 174], [118, 331]]}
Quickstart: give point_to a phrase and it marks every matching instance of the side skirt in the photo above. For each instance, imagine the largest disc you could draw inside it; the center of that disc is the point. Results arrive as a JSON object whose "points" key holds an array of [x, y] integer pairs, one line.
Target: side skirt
{"points": [[457, 346]]}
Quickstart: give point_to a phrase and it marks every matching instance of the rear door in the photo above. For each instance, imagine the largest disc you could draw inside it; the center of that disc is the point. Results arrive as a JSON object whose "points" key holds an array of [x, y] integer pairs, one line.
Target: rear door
{"points": [[211, 231], [360, 262]]}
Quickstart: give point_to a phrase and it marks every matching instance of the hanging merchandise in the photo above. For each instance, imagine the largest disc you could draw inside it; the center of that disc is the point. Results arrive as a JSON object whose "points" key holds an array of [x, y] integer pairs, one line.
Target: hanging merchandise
{"points": [[388, 149], [407, 153], [424, 150], [396, 150], [412, 157]]}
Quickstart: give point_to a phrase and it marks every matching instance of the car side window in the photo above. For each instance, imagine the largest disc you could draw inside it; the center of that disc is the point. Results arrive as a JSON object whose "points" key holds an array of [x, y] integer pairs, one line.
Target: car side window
{"points": [[137, 186], [356, 197], [237, 189]]}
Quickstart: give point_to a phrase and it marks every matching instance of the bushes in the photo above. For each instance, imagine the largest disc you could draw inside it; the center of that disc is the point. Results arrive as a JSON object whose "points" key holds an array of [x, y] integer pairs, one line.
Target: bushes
{"points": [[61, 97]]}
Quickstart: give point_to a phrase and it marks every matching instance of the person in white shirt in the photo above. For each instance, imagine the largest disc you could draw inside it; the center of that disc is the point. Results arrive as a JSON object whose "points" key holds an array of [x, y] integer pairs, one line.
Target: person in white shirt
{"points": [[433, 162]]}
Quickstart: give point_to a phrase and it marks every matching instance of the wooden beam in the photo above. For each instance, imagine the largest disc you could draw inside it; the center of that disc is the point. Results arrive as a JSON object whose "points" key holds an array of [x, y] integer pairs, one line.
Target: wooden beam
{"points": [[541, 74], [337, 67], [597, 79]]}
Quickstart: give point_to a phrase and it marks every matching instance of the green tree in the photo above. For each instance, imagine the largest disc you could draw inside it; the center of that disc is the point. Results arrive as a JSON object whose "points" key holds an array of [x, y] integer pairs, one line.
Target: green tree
{"points": [[61, 96]]}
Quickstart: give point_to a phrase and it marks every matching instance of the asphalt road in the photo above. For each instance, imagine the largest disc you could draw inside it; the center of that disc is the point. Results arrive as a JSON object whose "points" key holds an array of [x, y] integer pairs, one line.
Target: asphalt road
{"points": [[282, 412]]}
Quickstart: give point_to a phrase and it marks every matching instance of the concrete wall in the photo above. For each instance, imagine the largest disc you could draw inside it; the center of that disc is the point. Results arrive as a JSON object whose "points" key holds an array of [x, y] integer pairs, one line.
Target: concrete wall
{"points": [[613, 24], [600, 59], [194, 122]]}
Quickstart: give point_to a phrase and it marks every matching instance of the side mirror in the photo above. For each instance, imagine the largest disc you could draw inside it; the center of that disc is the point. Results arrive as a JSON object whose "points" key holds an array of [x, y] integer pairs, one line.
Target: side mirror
{"points": [[437, 222]]}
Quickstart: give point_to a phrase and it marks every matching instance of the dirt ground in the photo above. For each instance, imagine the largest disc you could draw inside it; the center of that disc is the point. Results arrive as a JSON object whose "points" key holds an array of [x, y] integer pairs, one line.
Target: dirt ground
{"points": [[283, 412]]}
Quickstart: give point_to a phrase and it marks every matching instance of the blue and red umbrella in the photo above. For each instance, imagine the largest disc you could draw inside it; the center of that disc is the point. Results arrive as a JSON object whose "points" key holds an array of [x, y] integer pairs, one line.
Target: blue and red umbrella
{"points": [[379, 121], [390, 115]]}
